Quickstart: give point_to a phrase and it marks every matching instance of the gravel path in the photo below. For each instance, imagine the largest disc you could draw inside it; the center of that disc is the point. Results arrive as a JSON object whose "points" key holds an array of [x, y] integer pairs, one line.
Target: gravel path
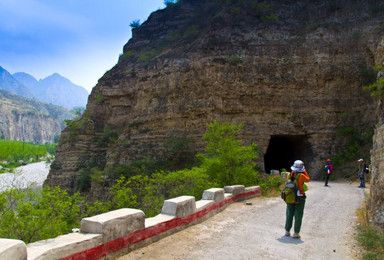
{"points": [[257, 231], [33, 174]]}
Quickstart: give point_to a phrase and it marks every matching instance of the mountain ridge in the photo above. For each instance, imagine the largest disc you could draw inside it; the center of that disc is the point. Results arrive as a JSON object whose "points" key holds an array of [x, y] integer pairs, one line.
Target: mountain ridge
{"points": [[54, 89], [9, 83]]}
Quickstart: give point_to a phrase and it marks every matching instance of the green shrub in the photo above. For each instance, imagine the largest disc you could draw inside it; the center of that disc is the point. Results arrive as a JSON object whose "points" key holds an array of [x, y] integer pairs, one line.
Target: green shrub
{"points": [[37, 215], [148, 55], [190, 182], [99, 99], [178, 150], [171, 3], [78, 111], [83, 183], [225, 160], [370, 237], [377, 88], [122, 195], [76, 127], [135, 24], [234, 59], [149, 192], [356, 143], [144, 166]]}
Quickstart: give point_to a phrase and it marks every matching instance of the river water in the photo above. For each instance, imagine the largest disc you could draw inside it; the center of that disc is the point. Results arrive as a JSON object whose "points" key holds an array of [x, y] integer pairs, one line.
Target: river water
{"points": [[33, 174]]}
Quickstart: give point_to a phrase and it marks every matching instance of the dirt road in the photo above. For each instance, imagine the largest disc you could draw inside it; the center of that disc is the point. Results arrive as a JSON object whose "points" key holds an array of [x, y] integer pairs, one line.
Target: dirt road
{"points": [[257, 231]]}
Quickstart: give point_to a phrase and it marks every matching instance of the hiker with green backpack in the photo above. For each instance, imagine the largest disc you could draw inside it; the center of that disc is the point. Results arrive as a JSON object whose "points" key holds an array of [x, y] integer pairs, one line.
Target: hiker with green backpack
{"points": [[294, 195]]}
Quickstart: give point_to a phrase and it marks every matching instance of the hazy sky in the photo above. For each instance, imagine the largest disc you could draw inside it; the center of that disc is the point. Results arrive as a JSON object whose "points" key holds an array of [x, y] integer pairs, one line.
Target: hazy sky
{"points": [[79, 39]]}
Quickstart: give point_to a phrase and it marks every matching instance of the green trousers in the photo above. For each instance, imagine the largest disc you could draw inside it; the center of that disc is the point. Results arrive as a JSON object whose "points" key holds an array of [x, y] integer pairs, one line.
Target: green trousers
{"points": [[297, 211]]}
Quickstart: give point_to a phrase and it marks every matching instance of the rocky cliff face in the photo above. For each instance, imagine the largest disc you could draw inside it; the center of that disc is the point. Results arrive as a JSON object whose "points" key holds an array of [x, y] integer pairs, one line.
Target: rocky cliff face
{"points": [[290, 71], [27, 120], [377, 155]]}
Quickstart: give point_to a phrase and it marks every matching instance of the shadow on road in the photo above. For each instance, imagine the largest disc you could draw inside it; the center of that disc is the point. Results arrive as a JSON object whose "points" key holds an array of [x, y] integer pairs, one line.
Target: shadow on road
{"points": [[290, 240]]}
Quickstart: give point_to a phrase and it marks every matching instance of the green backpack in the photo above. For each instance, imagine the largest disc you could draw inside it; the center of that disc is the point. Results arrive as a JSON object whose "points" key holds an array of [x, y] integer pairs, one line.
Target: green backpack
{"points": [[289, 193]]}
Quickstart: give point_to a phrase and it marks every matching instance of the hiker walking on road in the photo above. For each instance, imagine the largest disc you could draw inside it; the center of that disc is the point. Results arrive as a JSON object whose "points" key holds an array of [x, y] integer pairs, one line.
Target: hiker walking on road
{"points": [[328, 169], [362, 171], [296, 210]]}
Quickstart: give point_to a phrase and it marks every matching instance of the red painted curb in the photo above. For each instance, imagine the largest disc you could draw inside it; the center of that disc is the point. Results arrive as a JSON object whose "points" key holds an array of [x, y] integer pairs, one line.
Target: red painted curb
{"points": [[120, 243]]}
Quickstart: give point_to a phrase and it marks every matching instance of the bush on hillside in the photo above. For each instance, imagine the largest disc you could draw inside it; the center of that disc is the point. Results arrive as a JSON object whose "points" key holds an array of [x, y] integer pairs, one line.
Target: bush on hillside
{"points": [[31, 215], [225, 160]]}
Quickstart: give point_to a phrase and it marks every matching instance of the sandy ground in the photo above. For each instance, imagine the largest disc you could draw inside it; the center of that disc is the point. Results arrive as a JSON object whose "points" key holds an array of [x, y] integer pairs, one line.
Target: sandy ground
{"points": [[33, 174], [257, 231]]}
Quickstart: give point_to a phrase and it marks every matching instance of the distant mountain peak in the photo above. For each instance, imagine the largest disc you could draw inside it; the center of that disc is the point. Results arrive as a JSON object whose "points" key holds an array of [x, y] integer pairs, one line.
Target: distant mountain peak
{"points": [[54, 89], [55, 75], [9, 83]]}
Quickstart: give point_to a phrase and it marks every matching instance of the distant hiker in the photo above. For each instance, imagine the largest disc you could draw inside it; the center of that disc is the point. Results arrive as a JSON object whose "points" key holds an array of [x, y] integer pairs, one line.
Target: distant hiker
{"points": [[363, 170], [299, 175], [328, 169]]}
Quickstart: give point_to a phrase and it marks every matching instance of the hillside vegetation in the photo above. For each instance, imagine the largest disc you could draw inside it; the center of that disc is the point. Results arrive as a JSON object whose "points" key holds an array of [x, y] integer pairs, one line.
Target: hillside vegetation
{"points": [[16, 153]]}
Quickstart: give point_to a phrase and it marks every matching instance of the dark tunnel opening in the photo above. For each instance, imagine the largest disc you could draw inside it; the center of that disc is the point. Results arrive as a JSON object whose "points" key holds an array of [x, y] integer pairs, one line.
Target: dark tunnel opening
{"points": [[283, 150]]}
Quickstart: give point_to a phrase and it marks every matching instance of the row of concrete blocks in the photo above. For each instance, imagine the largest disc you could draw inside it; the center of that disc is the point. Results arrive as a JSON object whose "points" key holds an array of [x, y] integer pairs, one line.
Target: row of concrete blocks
{"points": [[127, 229]]}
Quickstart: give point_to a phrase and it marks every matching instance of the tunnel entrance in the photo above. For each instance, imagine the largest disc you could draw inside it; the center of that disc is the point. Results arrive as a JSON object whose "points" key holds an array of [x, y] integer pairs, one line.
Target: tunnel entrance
{"points": [[283, 150]]}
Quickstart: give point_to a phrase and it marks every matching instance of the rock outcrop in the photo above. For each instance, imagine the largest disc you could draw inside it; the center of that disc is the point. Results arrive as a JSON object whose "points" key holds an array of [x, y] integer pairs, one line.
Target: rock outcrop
{"points": [[376, 200], [290, 71]]}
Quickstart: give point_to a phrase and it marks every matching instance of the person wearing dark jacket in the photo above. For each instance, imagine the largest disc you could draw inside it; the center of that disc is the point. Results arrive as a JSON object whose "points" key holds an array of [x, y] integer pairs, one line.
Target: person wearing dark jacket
{"points": [[362, 172], [328, 168]]}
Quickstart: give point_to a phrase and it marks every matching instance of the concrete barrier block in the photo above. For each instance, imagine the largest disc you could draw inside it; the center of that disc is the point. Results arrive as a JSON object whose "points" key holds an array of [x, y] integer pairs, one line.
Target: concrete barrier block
{"points": [[284, 175], [234, 189], [275, 172], [202, 204], [114, 224], [13, 249], [179, 207], [157, 220], [62, 246], [254, 188], [215, 194]]}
